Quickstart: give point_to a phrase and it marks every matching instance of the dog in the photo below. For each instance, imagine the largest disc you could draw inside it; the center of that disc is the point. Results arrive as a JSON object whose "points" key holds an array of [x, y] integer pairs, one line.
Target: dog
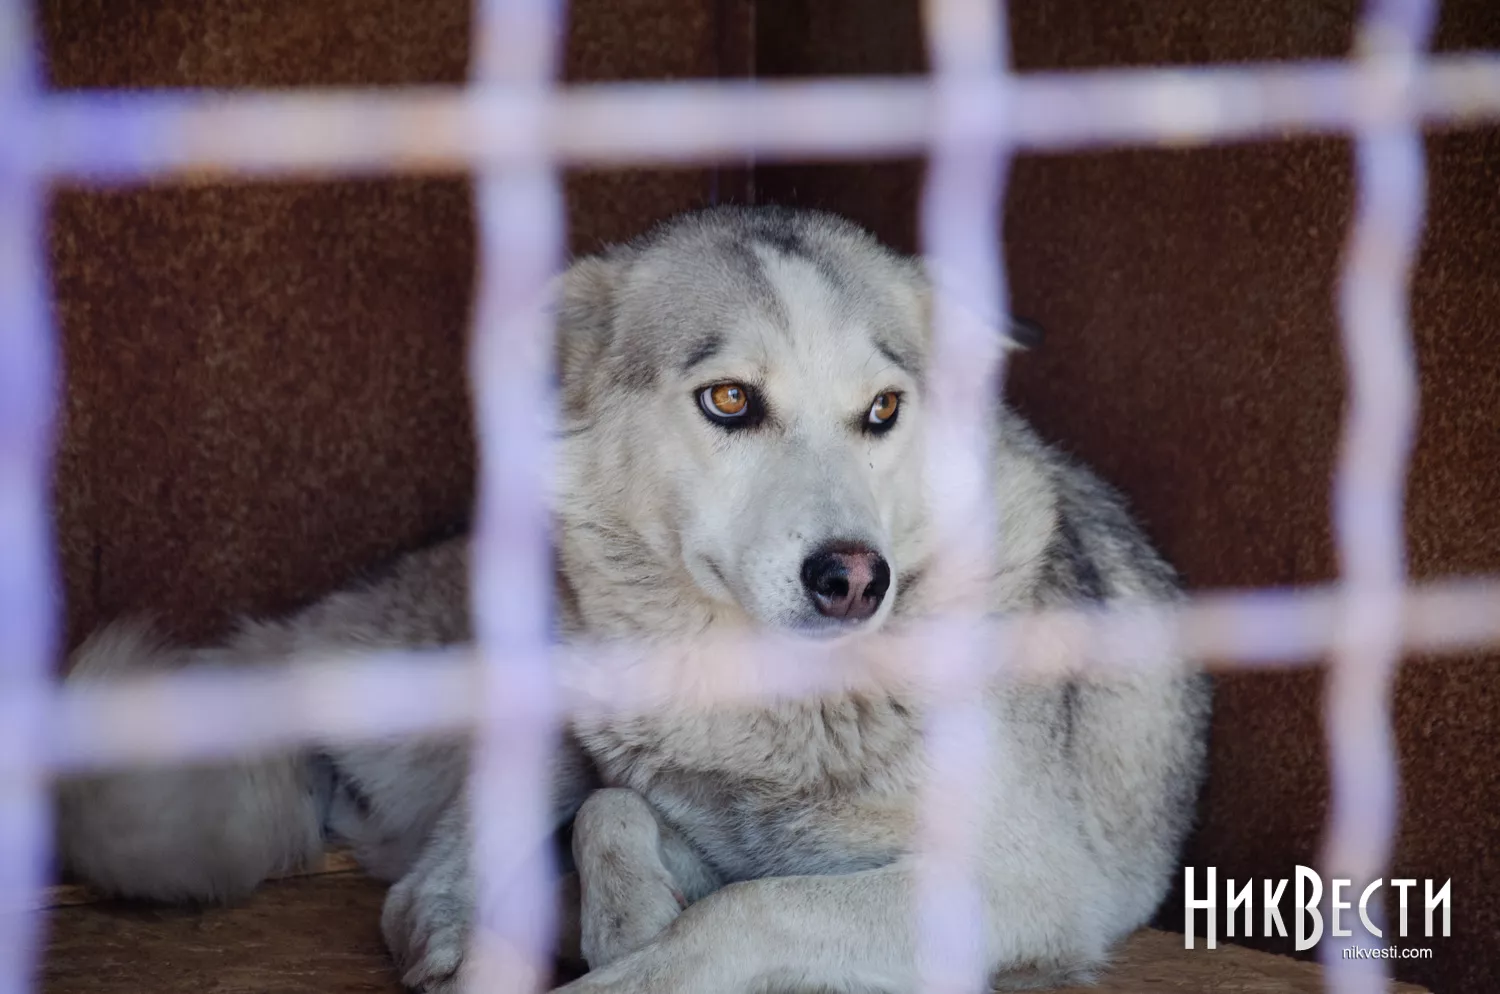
{"points": [[741, 409]]}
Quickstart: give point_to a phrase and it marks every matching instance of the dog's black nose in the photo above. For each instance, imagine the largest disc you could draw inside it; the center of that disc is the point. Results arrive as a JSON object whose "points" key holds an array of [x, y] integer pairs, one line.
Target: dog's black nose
{"points": [[846, 580]]}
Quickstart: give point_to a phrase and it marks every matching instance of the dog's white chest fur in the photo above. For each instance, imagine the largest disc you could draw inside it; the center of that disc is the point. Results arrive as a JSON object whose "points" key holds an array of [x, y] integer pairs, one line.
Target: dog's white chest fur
{"points": [[813, 787]]}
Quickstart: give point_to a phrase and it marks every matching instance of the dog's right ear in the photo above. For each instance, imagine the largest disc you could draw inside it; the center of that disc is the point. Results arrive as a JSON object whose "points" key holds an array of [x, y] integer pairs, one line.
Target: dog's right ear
{"points": [[1024, 333], [1016, 333], [584, 301]]}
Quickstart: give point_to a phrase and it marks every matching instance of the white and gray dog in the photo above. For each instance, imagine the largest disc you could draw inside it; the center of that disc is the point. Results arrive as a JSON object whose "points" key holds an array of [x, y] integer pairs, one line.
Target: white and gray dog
{"points": [[742, 399]]}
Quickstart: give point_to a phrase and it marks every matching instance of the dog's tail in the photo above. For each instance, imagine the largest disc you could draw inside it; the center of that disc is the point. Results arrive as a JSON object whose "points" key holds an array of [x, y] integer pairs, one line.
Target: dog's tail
{"points": [[202, 833]]}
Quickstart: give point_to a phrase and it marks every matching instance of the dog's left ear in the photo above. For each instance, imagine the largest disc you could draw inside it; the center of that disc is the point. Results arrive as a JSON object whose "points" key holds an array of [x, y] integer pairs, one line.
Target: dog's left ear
{"points": [[582, 299]]}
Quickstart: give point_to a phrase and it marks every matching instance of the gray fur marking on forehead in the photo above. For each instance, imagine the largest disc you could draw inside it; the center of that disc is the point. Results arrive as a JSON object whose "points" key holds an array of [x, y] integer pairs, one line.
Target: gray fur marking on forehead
{"points": [[711, 345], [759, 283], [904, 358], [782, 236], [681, 285]]}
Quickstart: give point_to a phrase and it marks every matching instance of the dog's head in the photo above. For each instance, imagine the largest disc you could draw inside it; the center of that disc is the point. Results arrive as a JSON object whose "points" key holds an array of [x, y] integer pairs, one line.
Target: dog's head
{"points": [[742, 406]]}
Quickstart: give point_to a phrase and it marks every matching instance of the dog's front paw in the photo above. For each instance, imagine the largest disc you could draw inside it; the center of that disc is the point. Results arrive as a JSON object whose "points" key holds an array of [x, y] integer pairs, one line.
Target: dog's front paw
{"points": [[624, 911], [427, 922]]}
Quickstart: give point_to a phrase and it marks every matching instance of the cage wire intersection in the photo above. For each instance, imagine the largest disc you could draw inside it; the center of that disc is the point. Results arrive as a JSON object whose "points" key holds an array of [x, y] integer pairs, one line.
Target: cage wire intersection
{"points": [[514, 126]]}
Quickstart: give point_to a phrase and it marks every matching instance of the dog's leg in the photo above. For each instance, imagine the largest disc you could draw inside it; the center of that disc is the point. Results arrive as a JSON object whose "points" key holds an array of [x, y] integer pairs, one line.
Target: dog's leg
{"points": [[850, 933], [636, 874], [428, 915], [429, 912]]}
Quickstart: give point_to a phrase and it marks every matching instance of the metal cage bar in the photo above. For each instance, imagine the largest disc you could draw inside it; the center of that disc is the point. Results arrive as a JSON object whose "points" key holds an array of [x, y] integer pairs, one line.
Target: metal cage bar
{"points": [[27, 619], [1369, 488], [204, 716], [522, 240], [105, 137], [967, 42]]}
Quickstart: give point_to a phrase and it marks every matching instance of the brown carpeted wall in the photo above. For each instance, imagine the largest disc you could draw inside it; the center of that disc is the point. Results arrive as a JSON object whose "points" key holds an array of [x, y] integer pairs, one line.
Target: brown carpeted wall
{"points": [[266, 388]]}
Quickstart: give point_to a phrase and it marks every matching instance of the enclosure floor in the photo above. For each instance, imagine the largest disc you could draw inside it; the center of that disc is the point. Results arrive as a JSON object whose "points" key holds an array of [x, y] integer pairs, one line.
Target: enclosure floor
{"points": [[319, 934]]}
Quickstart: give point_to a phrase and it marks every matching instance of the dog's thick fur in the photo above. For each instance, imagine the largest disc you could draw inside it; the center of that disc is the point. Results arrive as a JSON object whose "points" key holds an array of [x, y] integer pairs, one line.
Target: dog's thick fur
{"points": [[785, 831]]}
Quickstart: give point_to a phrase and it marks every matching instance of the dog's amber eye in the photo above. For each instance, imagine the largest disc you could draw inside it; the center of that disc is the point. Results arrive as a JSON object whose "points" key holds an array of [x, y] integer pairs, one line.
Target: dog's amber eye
{"points": [[885, 407], [726, 400]]}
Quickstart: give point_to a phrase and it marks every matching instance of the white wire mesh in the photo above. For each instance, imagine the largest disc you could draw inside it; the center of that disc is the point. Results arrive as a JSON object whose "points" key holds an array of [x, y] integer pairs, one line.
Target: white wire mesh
{"points": [[521, 245], [967, 43], [106, 137], [26, 580], [201, 716], [516, 129], [1369, 492]]}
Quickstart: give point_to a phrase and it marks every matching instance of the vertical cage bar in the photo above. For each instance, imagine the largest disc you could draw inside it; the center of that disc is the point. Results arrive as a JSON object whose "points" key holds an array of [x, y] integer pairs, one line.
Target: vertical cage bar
{"points": [[521, 243], [967, 42], [27, 621], [1369, 498]]}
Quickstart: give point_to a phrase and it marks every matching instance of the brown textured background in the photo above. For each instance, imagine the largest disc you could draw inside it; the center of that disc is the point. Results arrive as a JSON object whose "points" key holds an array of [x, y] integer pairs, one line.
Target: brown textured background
{"points": [[266, 388]]}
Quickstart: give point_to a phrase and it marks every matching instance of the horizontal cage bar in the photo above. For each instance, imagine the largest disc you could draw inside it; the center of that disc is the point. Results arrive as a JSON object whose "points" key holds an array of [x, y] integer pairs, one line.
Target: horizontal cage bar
{"points": [[353, 696], [104, 137]]}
